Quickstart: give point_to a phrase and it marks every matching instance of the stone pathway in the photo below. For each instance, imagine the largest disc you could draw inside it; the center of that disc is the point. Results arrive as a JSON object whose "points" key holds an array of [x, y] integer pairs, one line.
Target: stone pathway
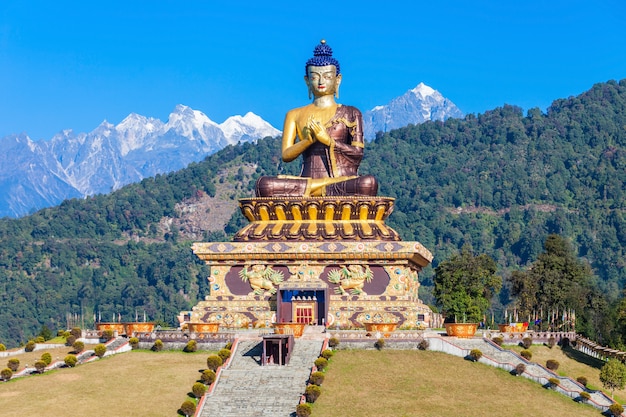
{"points": [[247, 389]]}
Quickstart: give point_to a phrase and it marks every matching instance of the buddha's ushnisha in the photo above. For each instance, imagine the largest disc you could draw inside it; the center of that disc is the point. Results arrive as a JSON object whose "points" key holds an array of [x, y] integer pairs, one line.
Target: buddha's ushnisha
{"points": [[329, 136]]}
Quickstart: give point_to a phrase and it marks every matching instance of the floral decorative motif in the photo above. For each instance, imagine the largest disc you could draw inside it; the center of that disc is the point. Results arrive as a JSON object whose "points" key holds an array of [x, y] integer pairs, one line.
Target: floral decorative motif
{"points": [[262, 279], [350, 279]]}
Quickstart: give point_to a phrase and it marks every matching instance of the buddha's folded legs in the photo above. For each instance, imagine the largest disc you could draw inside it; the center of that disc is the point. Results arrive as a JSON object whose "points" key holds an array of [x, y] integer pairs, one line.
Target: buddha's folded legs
{"points": [[298, 187], [281, 187], [365, 185]]}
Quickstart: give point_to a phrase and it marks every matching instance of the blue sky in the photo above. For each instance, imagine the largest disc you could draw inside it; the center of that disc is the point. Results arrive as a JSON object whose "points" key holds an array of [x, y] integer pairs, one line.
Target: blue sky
{"points": [[71, 65]]}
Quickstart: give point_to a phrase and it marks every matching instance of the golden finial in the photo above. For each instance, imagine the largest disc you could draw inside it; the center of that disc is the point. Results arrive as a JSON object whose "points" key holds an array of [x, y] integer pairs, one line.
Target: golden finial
{"points": [[323, 41]]}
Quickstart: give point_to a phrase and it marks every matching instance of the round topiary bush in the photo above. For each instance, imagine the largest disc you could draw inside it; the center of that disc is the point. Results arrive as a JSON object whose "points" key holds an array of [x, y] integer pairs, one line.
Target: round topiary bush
{"points": [[303, 410], [108, 334], [526, 354], [228, 345], [157, 346], [6, 374], [69, 340], [317, 378], [552, 364], [76, 332], [198, 389], [585, 396], [188, 408], [551, 342], [312, 393], [333, 342], [208, 377], [47, 358], [2, 347], [40, 366], [327, 354], [616, 409], [553, 382], [224, 354], [39, 339], [191, 346], [30, 346], [527, 342], [78, 346], [520, 369], [13, 364], [380, 344], [71, 360], [475, 354], [582, 380], [100, 350], [498, 340], [424, 344], [213, 362], [134, 342], [321, 363]]}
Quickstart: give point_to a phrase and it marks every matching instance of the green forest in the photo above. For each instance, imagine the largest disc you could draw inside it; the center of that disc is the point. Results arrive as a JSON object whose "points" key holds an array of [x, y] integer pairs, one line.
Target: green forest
{"points": [[500, 182]]}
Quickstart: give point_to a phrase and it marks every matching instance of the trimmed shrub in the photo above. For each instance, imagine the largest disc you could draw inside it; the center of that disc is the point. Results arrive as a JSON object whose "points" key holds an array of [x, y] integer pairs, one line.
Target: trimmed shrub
{"points": [[327, 354], [380, 344], [63, 333], [553, 382], [526, 354], [582, 380], [552, 364], [498, 340], [228, 345], [6, 374], [616, 409], [40, 366], [76, 332], [303, 410], [321, 363], [317, 378], [69, 340], [520, 369], [188, 408], [100, 350], [424, 344], [208, 377], [108, 334], [2, 347], [134, 342], [198, 389], [157, 346], [213, 362], [13, 364], [312, 393], [191, 346], [30, 346], [585, 396], [78, 346], [39, 339], [47, 358], [527, 342], [333, 342], [71, 360], [224, 354], [475, 354], [551, 342]]}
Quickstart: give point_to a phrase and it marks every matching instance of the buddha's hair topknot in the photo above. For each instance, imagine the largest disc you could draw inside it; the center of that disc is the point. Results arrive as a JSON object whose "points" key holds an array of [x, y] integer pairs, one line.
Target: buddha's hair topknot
{"points": [[322, 55]]}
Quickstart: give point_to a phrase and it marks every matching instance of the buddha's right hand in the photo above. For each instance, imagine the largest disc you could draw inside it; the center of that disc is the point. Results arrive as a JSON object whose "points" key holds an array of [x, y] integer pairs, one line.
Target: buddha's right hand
{"points": [[318, 131]]}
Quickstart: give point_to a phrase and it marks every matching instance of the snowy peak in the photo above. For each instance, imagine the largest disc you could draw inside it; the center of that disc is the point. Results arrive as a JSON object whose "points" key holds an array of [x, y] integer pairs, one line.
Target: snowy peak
{"points": [[417, 105], [247, 128]]}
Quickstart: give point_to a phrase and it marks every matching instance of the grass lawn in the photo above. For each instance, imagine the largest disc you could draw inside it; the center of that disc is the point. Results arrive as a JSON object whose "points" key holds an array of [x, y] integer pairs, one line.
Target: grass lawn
{"points": [[137, 383], [573, 364], [424, 383]]}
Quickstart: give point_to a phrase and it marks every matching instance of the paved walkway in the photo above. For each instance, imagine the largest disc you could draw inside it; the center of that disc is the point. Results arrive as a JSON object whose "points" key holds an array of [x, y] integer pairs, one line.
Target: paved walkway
{"points": [[247, 389]]}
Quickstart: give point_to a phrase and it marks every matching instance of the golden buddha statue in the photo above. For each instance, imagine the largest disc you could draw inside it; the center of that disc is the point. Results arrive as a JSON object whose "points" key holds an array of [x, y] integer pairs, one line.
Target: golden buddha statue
{"points": [[329, 136]]}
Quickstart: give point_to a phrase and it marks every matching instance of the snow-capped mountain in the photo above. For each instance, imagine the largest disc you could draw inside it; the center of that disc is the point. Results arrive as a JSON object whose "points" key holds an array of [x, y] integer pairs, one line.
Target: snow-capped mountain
{"points": [[418, 105], [34, 175]]}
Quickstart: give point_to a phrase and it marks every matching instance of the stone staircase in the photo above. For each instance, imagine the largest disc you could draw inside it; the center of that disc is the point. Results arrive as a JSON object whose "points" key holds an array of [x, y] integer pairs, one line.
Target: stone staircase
{"points": [[503, 358], [247, 389]]}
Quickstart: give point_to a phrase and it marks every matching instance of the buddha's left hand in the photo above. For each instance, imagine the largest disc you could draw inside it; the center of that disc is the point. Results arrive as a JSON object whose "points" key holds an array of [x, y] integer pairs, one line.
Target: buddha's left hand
{"points": [[319, 132]]}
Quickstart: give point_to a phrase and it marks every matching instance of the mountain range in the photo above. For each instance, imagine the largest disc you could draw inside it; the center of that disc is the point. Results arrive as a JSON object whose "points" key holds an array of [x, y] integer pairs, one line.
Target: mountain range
{"points": [[39, 174]]}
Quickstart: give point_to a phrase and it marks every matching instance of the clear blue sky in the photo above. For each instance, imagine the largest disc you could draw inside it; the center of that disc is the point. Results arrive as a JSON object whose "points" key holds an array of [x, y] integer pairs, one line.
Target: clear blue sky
{"points": [[74, 64]]}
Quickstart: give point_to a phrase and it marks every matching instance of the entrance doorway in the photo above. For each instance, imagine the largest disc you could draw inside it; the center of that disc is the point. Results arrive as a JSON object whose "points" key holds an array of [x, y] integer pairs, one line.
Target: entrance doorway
{"points": [[304, 312], [302, 304]]}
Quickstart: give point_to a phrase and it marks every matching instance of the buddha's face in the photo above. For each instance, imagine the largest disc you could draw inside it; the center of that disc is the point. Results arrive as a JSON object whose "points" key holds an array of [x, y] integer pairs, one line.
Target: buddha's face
{"points": [[322, 80]]}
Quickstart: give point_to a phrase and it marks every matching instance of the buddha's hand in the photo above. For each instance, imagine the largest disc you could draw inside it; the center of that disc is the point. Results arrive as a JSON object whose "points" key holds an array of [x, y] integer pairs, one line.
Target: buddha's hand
{"points": [[318, 131]]}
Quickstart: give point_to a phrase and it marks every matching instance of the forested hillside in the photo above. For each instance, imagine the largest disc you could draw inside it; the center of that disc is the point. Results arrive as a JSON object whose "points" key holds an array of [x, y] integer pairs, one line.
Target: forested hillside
{"points": [[501, 181]]}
